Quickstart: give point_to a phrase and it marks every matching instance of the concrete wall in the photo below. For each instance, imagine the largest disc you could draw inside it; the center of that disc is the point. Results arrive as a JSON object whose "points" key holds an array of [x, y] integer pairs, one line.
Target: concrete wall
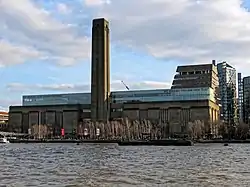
{"points": [[70, 121], [143, 114], [67, 116], [15, 121], [153, 114], [131, 114], [176, 114], [163, 115], [33, 118], [50, 117]]}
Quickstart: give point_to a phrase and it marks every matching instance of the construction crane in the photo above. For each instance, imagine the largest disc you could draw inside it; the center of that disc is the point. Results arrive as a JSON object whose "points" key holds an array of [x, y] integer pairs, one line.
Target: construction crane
{"points": [[125, 85]]}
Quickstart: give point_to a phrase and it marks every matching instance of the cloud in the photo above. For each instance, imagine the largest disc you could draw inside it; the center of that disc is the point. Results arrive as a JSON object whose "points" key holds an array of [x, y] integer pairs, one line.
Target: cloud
{"points": [[51, 87], [182, 30], [16, 54], [5, 103], [25, 25], [115, 85], [96, 2], [63, 8]]}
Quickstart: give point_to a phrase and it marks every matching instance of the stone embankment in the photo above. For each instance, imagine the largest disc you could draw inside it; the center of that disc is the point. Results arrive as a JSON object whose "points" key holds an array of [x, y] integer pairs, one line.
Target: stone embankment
{"points": [[119, 142]]}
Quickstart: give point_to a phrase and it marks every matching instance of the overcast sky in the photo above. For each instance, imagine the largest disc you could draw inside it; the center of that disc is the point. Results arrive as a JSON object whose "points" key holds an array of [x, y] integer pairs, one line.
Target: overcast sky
{"points": [[45, 44]]}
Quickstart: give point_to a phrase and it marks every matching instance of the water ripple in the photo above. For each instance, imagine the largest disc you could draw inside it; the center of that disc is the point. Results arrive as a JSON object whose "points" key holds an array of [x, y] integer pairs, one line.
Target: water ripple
{"points": [[109, 165]]}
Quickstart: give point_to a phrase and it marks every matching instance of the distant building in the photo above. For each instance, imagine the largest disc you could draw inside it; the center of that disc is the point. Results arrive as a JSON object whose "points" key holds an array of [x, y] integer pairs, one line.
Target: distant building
{"points": [[164, 95], [227, 92], [4, 118], [240, 98], [246, 99], [158, 95], [192, 97], [176, 107], [56, 99], [195, 76]]}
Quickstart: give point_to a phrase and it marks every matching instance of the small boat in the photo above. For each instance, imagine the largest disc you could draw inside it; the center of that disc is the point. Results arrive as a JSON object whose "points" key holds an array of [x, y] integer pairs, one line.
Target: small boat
{"points": [[4, 140]]}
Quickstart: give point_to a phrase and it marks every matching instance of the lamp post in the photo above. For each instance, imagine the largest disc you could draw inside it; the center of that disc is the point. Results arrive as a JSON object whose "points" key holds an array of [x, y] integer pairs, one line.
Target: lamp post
{"points": [[108, 101]]}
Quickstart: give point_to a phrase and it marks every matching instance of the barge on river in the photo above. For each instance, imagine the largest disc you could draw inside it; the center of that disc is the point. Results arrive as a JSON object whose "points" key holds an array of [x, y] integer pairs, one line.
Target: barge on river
{"points": [[168, 142]]}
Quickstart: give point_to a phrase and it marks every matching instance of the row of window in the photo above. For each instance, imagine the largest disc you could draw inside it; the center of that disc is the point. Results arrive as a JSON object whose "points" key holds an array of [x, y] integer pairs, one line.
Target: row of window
{"points": [[186, 78], [171, 98], [46, 99], [162, 95], [194, 72], [169, 92], [55, 96], [57, 101]]}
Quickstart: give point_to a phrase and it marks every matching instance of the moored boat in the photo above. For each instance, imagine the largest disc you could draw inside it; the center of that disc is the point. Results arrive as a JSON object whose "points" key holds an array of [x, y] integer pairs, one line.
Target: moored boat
{"points": [[4, 140]]}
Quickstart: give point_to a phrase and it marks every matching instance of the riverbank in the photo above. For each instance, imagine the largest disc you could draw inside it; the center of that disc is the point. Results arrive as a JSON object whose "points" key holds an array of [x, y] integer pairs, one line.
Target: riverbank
{"points": [[223, 141], [157, 143], [132, 143], [119, 142], [60, 141]]}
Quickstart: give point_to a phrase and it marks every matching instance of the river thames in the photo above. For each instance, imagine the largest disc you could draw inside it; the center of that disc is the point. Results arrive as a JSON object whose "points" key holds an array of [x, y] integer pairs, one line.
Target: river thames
{"points": [[110, 165]]}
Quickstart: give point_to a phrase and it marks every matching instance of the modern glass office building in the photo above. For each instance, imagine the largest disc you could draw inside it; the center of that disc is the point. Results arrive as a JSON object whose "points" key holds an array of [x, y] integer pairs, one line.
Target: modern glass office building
{"points": [[227, 91], [160, 95], [240, 105], [246, 99]]}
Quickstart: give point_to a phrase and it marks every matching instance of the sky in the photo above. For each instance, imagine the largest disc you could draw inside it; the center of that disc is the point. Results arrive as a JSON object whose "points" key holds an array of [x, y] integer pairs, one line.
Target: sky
{"points": [[45, 44]]}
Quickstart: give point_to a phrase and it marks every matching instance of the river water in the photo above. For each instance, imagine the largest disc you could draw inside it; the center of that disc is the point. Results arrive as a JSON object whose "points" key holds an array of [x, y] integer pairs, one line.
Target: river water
{"points": [[111, 165]]}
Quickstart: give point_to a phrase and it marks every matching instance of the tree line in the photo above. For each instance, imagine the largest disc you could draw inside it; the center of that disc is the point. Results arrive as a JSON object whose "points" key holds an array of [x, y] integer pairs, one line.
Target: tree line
{"points": [[198, 130], [136, 130]]}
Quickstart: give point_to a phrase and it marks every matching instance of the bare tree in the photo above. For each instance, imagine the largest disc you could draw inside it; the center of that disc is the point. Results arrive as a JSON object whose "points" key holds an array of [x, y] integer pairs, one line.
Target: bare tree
{"points": [[124, 128], [242, 130], [196, 129], [222, 129], [191, 131]]}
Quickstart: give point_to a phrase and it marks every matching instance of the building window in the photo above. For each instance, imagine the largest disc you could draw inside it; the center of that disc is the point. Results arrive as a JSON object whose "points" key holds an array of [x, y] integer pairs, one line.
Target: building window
{"points": [[27, 100]]}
